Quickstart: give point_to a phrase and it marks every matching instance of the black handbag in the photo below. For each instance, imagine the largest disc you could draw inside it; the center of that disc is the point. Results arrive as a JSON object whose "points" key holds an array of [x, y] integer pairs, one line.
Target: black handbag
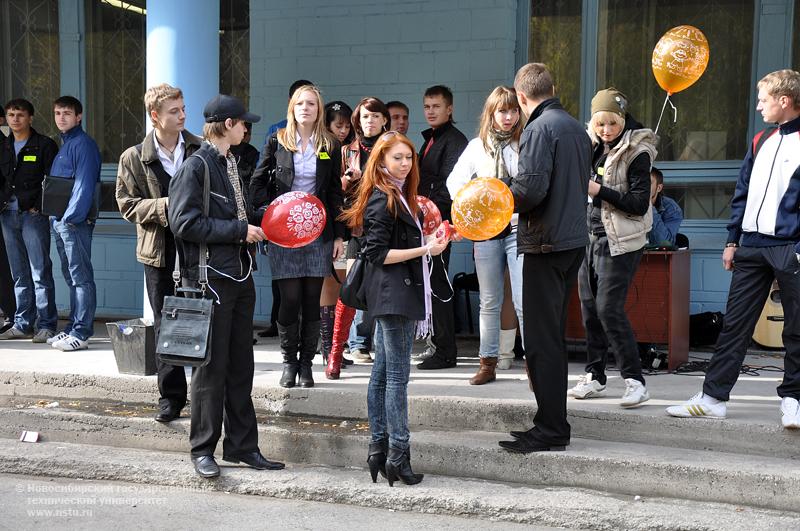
{"points": [[185, 334], [56, 193], [354, 292]]}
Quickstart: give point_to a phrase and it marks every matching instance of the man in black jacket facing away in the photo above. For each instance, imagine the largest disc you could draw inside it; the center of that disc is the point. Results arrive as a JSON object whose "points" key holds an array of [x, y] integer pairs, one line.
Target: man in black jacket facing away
{"points": [[443, 145], [225, 384], [550, 194]]}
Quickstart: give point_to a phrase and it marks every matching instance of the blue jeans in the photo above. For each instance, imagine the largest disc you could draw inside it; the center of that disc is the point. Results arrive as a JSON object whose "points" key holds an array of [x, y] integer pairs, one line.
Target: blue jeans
{"points": [[491, 259], [387, 394], [360, 331], [27, 237], [74, 244]]}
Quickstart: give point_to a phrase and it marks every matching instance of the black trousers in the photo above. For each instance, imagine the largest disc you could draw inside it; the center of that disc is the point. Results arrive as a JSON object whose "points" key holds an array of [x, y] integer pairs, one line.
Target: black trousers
{"points": [[547, 280], [603, 283], [171, 378], [8, 300], [444, 326], [221, 391], [754, 270]]}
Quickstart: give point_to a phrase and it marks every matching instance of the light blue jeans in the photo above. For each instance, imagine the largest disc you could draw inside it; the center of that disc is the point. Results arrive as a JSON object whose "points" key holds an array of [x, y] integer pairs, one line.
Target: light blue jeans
{"points": [[387, 394], [27, 237], [491, 259], [74, 244]]}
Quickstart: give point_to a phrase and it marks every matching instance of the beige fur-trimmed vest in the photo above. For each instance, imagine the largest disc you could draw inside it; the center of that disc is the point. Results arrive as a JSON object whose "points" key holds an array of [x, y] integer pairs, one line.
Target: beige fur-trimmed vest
{"points": [[626, 232]]}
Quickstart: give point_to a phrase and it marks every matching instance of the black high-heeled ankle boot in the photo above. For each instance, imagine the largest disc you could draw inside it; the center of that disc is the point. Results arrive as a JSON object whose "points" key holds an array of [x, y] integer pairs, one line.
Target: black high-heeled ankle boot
{"points": [[398, 466], [376, 459]]}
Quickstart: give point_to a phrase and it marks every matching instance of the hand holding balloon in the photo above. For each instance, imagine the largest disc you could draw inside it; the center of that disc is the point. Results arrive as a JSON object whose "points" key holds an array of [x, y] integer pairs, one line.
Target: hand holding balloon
{"points": [[294, 219], [255, 234]]}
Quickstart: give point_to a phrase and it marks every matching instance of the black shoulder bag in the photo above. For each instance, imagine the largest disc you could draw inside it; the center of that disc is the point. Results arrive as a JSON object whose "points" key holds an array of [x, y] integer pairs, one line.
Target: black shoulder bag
{"points": [[354, 290], [185, 334]]}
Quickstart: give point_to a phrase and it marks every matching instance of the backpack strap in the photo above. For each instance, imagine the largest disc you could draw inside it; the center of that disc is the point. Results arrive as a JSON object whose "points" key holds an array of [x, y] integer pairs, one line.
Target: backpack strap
{"points": [[762, 137]]}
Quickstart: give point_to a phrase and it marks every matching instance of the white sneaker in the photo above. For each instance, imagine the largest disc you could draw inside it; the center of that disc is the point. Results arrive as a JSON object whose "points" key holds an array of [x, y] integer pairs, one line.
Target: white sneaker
{"points": [[635, 393], [700, 405], [58, 337], [587, 388], [71, 343], [791, 413]]}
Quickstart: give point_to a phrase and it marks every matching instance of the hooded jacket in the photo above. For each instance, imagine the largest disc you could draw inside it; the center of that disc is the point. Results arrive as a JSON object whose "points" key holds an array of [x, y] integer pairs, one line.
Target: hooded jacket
{"points": [[624, 196]]}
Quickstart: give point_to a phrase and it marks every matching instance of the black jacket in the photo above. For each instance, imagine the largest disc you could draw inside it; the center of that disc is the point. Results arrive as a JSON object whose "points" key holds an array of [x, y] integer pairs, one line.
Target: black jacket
{"points": [[395, 289], [435, 167], [550, 191], [22, 175], [275, 176], [222, 231]]}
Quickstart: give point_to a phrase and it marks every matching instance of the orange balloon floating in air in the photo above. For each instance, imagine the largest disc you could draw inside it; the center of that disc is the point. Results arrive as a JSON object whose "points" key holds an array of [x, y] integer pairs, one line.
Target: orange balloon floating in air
{"points": [[482, 208], [680, 58]]}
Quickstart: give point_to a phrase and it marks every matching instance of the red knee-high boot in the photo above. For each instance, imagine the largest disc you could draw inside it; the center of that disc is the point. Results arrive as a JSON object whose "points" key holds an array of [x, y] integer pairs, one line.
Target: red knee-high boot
{"points": [[341, 330]]}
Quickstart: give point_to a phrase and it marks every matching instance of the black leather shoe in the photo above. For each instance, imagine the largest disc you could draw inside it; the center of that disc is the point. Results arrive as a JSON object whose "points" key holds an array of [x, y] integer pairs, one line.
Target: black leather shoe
{"points": [[254, 460], [528, 446], [436, 362], [521, 434], [168, 413], [206, 466]]}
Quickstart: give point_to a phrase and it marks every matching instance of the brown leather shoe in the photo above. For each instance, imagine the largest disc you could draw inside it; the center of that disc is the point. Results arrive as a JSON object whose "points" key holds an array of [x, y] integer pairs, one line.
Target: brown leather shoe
{"points": [[486, 373]]}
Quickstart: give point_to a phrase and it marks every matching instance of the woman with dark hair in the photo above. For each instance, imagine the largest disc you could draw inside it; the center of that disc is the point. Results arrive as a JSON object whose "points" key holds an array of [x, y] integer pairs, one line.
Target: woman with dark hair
{"points": [[337, 122], [301, 157], [398, 294], [370, 118]]}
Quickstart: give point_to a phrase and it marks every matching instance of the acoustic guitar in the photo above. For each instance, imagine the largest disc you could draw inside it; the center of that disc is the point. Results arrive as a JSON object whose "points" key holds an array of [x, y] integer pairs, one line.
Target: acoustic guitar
{"points": [[770, 325]]}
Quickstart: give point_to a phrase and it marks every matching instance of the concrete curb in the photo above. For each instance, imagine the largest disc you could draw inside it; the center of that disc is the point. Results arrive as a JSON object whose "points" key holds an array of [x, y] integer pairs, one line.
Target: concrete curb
{"points": [[442, 412], [572, 508], [625, 468]]}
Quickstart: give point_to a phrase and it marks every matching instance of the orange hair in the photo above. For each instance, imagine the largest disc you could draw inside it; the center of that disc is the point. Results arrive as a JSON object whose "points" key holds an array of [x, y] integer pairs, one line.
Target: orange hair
{"points": [[373, 178]]}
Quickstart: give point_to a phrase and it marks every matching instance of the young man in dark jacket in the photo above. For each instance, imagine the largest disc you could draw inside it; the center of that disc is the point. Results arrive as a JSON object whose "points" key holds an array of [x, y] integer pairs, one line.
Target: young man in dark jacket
{"points": [[224, 385], [437, 156], [143, 178], [550, 194], [78, 159], [25, 158]]}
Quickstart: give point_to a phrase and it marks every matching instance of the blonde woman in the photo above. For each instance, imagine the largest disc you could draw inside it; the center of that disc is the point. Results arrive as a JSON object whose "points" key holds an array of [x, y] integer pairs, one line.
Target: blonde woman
{"points": [[495, 153], [302, 157], [619, 218]]}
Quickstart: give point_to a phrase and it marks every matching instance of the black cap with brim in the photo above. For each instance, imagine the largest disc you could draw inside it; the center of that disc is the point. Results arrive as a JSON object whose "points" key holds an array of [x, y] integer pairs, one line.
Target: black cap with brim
{"points": [[221, 107]]}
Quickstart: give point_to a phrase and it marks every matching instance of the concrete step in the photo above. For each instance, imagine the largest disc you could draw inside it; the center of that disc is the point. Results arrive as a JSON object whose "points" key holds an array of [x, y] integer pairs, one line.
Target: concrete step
{"points": [[623, 468], [750, 433], [500, 502]]}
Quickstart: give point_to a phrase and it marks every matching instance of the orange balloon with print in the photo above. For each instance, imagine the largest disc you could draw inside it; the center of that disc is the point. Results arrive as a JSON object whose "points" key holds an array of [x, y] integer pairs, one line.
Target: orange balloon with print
{"points": [[680, 58], [482, 208]]}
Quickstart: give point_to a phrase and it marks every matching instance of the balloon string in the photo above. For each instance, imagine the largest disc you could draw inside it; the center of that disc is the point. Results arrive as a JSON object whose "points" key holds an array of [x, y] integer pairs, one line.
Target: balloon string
{"points": [[663, 107]]}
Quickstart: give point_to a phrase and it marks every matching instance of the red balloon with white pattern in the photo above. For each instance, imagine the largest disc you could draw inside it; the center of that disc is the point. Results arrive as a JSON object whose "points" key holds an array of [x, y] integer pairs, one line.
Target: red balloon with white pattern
{"points": [[294, 219], [432, 218]]}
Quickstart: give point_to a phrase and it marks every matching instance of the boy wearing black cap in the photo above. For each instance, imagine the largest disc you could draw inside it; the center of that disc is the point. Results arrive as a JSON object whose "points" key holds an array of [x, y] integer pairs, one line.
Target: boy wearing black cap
{"points": [[225, 384]]}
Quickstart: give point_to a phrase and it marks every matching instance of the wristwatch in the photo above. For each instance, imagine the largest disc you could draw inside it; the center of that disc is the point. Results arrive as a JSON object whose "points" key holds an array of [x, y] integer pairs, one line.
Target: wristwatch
{"points": [[731, 244]]}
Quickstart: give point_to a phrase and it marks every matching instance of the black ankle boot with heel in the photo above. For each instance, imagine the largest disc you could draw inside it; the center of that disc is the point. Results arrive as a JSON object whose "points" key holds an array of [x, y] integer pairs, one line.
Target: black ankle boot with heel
{"points": [[376, 459], [398, 466]]}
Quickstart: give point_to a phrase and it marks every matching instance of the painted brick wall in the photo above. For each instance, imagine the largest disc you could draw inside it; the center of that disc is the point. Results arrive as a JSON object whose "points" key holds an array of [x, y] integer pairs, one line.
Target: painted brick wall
{"points": [[388, 49]]}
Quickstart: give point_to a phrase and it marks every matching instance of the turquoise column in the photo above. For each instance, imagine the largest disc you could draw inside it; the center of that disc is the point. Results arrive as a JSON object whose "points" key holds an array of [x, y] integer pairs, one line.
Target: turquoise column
{"points": [[183, 50]]}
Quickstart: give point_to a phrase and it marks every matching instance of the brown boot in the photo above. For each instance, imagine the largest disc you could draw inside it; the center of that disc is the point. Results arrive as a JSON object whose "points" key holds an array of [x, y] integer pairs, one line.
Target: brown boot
{"points": [[486, 373]]}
